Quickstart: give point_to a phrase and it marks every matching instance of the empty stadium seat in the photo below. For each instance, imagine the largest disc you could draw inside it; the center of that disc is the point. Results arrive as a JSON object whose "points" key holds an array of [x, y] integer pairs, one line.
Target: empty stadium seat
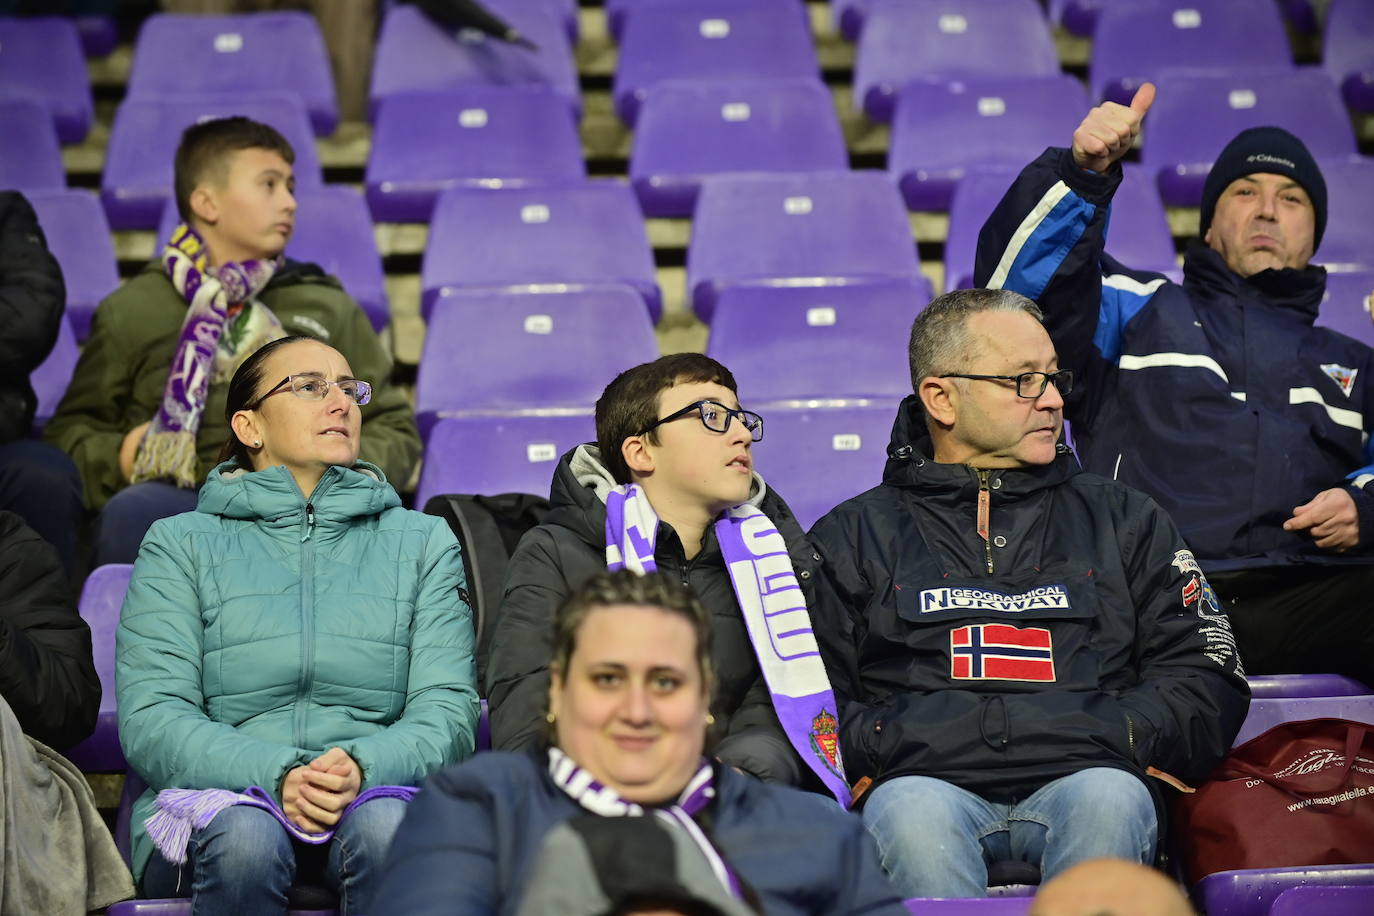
{"points": [[1138, 42], [334, 230], [414, 54], [906, 40], [689, 130], [30, 155], [1340, 900], [480, 136], [798, 230], [1348, 51], [1268, 686], [566, 10], [54, 374], [941, 129], [246, 52], [711, 39], [585, 233], [102, 597], [489, 352], [137, 182], [99, 34], [789, 343], [1138, 236], [848, 16], [1347, 243], [1252, 891], [41, 58], [1270, 711], [617, 11], [816, 458], [1195, 116], [79, 237], [1078, 17], [491, 455], [1346, 305]]}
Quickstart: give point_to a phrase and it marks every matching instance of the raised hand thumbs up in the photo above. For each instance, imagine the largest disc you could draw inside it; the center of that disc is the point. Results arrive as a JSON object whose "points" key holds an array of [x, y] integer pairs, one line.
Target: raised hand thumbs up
{"points": [[1109, 130]]}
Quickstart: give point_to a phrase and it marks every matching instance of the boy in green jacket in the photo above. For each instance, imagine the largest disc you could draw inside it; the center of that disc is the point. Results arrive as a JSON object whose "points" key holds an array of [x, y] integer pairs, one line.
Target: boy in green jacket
{"points": [[144, 437]]}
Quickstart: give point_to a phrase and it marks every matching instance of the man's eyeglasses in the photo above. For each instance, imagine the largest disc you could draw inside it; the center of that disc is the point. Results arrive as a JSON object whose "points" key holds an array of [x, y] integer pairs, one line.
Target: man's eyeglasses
{"points": [[716, 417], [312, 387], [1028, 384]]}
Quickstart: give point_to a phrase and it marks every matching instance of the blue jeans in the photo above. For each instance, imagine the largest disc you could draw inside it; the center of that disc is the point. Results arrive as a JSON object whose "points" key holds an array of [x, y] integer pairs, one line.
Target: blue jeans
{"points": [[936, 839], [245, 862], [129, 514]]}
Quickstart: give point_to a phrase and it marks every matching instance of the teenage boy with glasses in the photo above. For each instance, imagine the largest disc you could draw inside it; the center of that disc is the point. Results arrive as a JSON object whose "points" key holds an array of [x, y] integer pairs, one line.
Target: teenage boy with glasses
{"points": [[674, 455]]}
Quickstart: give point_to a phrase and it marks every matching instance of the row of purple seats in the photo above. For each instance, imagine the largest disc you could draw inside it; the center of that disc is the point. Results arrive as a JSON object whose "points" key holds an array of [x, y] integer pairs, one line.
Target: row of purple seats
{"points": [[30, 153], [41, 59], [1347, 304]]}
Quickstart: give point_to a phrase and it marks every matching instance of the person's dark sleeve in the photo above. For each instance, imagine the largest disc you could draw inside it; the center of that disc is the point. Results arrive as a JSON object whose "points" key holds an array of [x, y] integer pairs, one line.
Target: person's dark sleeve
{"points": [[755, 741], [32, 294], [443, 860], [1192, 695], [522, 644], [47, 673]]}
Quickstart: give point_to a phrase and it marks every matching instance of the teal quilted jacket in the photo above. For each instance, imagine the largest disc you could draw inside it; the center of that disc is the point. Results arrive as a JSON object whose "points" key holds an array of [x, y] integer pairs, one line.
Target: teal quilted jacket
{"points": [[262, 629]]}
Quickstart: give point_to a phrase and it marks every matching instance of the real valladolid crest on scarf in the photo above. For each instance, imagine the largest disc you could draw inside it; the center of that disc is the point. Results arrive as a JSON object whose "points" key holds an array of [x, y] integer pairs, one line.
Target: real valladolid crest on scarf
{"points": [[774, 610]]}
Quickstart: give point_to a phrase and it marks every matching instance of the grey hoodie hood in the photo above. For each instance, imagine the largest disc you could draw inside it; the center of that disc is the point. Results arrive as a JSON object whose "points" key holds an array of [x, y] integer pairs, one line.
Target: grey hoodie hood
{"points": [[589, 471]]}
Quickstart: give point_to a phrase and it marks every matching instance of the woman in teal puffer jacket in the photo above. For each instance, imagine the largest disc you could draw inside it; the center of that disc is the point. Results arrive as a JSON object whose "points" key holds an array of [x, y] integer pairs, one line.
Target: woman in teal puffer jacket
{"points": [[299, 632]]}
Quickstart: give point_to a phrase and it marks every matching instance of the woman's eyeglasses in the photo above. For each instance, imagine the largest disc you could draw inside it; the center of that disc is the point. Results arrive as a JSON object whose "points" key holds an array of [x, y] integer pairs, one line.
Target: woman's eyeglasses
{"points": [[311, 386]]}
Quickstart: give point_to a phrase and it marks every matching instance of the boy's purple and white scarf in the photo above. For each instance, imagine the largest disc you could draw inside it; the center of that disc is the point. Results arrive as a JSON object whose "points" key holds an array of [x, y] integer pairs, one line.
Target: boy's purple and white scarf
{"points": [[179, 812], [774, 610], [169, 448], [605, 801]]}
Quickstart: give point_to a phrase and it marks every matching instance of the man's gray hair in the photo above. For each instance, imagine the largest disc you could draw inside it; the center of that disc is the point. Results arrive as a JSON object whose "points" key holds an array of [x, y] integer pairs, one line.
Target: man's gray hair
{"points": [[939, 336]]}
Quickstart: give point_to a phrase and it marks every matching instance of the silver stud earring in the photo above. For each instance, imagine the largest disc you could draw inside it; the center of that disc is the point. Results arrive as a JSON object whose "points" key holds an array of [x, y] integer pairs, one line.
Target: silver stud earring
{"points": [[257, 443]]}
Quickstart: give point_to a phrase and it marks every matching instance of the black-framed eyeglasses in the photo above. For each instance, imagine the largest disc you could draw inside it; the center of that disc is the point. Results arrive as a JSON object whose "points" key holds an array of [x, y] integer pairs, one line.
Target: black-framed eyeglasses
{"points": [[1026, 386], [311, 386], [716, 417]]}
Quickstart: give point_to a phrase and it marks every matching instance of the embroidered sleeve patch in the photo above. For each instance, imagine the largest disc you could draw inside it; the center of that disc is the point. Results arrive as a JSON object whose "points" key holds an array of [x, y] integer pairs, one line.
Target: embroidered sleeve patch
{"points": [[1001, 652]]}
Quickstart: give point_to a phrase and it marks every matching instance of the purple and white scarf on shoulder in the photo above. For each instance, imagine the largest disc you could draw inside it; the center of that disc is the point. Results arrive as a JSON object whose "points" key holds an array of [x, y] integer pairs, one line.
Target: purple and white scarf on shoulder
{"points": [[774, 610], [179, 812]]}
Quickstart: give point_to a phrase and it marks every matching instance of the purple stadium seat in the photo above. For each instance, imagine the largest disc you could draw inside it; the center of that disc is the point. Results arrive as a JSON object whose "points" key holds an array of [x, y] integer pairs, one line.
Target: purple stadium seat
{"points": [[817, 457], [1347, 244], [138, 164], [1078, 17], [848, 16], [1194, 117], [906, 40], [820, 229], [711, 39], [1340, 900], [1348, 51], [1269, 686], [479, 136], [551, 353], [414, 54], [30, 155], [1136, 42], [242, 53], [79, 237], [1138, 237], [41, 58], [1346, 305], [565, 10], [1266, 713], [491, 455], [803, 343], [941, 129], [99, 34], [333, 230], [688, 130], [102, 597], [969, 906], [617, 11], [1252, 891], [517, 237], [51, 378]]}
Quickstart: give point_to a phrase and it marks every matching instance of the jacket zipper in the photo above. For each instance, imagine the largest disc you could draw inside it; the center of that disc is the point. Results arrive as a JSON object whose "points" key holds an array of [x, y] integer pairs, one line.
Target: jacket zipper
{"points": [[307, 623], [1130, 736], [985, 514]]}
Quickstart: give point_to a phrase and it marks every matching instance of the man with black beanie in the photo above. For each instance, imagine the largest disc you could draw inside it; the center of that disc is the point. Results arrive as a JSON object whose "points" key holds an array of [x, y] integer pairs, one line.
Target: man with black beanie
{"points": [[1218, 397]]}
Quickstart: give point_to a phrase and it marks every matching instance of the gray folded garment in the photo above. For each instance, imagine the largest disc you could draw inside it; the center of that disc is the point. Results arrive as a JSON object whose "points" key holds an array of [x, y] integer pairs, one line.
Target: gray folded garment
{"points": [[593, 866], [58, 855]]}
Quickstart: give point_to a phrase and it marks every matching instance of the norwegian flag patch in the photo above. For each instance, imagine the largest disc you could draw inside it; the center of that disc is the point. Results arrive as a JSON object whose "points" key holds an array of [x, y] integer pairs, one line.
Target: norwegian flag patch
{"points": [[1001, 652]]}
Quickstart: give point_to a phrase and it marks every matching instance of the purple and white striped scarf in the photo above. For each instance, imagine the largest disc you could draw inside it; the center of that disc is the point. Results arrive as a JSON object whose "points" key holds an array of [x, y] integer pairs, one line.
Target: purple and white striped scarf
{"points": [[606, 802], [774, 610], [169, 448], [179, 812]]}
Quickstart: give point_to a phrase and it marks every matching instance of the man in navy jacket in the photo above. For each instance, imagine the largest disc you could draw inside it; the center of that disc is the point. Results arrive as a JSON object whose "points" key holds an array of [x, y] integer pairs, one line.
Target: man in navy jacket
{"points": [[1217, 397], [1024, 654]]}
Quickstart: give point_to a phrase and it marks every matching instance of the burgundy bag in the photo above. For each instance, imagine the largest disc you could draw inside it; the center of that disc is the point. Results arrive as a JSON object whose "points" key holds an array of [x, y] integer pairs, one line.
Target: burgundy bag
{"points": [[1302, 793]]}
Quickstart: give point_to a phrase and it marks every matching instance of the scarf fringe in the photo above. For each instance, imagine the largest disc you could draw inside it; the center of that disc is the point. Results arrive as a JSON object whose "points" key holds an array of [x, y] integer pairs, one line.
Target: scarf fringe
{"points": [[168, 454]]}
